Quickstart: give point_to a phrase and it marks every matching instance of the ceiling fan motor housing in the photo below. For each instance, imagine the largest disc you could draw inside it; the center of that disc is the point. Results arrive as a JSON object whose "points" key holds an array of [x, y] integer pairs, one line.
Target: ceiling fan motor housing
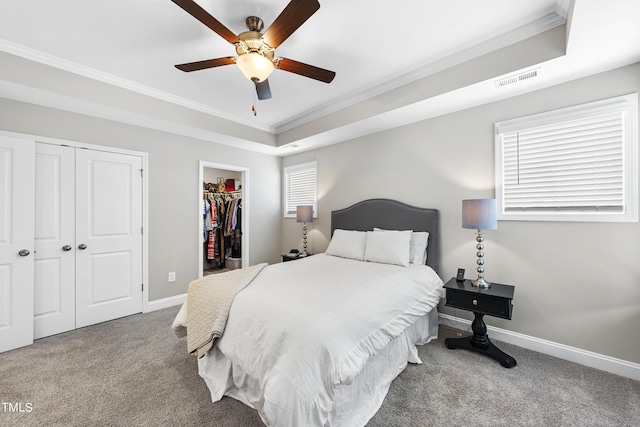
{"points": [[251, 41]]}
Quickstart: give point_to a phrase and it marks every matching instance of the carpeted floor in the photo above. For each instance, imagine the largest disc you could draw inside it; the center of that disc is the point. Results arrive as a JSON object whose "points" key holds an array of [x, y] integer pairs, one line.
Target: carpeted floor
{"points": [[135, 372]]}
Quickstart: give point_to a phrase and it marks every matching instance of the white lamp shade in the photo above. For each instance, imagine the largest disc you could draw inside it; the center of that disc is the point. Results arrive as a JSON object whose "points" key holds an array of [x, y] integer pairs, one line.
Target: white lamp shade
{"points": [[480, 214], [304, 213], [255, 66]]}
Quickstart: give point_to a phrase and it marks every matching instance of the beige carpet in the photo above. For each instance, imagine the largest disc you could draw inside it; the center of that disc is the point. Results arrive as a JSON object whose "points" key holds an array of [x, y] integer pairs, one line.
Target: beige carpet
{"points": [[135, 372]]}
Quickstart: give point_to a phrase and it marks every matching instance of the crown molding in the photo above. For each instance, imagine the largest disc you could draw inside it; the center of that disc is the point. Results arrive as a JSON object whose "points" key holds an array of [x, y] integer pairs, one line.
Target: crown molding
{"points": [[536, 27], [47, 99], [539, 26], [72, 67], [547, 22]]}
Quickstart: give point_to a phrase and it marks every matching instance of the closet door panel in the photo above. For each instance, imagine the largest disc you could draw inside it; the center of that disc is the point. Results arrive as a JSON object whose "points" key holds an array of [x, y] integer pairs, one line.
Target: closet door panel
{"points": [[108, 236], [54, 307], [16, 242]]}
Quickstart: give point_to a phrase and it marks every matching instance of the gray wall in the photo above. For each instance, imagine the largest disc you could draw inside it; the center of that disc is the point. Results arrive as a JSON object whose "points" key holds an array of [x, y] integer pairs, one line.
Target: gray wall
{"points": [[577, 284], [174, 188]]}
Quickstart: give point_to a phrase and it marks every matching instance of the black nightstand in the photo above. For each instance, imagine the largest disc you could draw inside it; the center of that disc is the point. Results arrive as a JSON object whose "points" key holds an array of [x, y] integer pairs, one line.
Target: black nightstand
{"points": [[493, 301], [286, 257]]}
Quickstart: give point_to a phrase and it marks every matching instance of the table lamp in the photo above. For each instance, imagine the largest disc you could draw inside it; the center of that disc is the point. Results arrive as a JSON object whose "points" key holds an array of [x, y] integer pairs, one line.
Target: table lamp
{"points": [[304, 214], [480, 214]]}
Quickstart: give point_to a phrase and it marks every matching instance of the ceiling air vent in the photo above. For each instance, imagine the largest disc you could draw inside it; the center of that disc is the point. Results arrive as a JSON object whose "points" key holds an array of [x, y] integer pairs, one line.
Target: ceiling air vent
{"points": [[518, 78]]}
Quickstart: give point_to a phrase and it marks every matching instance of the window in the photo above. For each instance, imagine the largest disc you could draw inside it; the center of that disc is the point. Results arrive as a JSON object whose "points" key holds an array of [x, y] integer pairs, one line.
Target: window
{"points": [[300, 188], [575, 164]]}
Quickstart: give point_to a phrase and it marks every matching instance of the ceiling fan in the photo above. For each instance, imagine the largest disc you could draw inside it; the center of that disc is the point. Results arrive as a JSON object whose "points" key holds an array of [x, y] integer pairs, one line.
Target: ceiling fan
{"points": [[256, 51]]}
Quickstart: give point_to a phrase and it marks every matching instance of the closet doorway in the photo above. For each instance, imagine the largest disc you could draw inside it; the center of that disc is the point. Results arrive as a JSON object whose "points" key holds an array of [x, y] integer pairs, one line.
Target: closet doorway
{"points": [[71, 243], [88, 237], [223, 218]]}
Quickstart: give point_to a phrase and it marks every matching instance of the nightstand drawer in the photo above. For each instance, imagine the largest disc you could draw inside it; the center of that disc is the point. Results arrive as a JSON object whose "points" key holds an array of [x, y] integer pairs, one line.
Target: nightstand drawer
{"points": [[477, 302]]}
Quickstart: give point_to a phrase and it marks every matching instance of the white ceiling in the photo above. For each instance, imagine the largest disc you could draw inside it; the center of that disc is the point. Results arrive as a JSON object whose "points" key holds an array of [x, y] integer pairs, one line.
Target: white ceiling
{"points": [[374, 47]]}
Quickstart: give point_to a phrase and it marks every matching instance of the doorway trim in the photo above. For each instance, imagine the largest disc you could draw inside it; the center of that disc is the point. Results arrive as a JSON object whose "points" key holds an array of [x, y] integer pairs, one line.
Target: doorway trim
{"points": [[245, 210]]}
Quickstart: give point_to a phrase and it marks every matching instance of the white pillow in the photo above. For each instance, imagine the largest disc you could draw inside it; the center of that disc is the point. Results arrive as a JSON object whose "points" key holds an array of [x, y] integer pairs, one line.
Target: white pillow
{"points": [[419, 243], [391, 247], [347, 244], [418, 246]]}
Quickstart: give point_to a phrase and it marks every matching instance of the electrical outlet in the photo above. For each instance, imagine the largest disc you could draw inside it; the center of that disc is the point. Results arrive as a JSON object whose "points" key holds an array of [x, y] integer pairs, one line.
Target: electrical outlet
{"points": [[172, 276]]}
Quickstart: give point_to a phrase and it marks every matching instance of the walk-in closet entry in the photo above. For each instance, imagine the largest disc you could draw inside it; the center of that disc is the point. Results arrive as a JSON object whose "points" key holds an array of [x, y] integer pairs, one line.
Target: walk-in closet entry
{"points": [[223, 212]]}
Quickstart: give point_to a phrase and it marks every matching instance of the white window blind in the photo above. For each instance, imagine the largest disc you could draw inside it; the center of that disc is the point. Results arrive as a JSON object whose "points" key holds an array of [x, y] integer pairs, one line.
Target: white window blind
{"points": [[573, 164], [300, 188]]}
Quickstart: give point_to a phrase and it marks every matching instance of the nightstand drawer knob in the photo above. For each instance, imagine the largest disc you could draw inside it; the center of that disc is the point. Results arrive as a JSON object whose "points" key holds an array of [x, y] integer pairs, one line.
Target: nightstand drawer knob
{"points": [[475, 302]]}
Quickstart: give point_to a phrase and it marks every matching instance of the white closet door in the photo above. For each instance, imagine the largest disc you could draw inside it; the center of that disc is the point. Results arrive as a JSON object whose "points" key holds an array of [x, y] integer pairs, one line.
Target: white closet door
{"points": [[55, 275], [16, 242], [108, 236]]}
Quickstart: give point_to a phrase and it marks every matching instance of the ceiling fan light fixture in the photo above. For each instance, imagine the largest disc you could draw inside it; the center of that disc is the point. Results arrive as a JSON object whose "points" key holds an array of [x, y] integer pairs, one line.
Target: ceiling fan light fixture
{"points": [[255, 66]]}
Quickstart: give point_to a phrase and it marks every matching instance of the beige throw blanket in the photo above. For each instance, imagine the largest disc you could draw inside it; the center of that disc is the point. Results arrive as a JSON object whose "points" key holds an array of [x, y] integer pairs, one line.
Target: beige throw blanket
{"points": [[204, 315]]}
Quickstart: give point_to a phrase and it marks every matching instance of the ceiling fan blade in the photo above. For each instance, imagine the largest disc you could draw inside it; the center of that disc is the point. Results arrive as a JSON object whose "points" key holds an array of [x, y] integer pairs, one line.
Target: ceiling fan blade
{"points": [[306, 70], [203, 16], [263, 90], [209, 63], [289, 20]]}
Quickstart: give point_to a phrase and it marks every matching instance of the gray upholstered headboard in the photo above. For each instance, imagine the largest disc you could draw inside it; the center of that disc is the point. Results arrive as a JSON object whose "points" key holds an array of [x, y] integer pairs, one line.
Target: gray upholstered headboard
{"points": [[392, 215]]}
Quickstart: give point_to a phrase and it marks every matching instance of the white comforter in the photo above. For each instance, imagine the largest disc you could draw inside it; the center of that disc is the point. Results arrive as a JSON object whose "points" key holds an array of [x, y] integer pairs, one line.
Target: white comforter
{"points": [[302, 328]]}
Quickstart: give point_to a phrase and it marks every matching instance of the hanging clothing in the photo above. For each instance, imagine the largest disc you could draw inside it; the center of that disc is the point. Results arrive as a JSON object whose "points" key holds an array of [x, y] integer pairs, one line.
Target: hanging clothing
{"points": [[206, 218], [222, 224], [211, 246]]}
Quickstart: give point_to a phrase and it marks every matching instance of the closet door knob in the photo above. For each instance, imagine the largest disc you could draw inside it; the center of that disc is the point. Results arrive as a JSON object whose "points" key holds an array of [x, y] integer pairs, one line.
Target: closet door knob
{"points": [[82, 247], [66, 248], [24, 252]]}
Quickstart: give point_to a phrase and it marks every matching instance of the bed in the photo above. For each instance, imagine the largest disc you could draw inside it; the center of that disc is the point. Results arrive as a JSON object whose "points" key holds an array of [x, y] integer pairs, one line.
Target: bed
{"points": [[318, 341]]}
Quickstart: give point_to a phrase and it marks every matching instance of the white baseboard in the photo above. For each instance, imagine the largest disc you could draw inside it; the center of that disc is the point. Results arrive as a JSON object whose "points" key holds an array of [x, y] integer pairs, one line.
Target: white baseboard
{"points": [[159, 304], [594, 360]]}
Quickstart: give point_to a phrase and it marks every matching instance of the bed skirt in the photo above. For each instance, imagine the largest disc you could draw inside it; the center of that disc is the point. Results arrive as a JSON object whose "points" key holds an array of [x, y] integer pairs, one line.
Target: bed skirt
{"points": [[355, 403]]}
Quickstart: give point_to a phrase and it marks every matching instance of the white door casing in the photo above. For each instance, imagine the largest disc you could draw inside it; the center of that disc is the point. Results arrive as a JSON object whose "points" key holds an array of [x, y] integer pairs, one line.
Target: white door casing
{"points": [[245, 211], [108, 236], [55, 290], [17, 179]]}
